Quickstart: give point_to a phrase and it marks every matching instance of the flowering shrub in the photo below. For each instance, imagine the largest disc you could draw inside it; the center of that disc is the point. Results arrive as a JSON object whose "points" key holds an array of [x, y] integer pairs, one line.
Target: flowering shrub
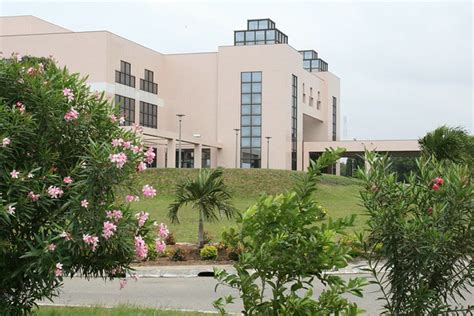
{"points": [[421, 235], [61, 174], [284, 250], [208, 252]]}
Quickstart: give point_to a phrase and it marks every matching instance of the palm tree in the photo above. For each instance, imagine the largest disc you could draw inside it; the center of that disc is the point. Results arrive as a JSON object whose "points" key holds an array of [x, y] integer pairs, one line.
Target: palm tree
{"points": [[447, 143], [207, 194]]}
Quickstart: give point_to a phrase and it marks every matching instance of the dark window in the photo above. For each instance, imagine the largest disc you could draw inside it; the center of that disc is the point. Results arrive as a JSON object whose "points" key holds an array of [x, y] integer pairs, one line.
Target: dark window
{"points": [[334, 118], [251, 119], [148, 115], [261, 31], [127, 109], [147, 84], [294, 122], [124, 76]]}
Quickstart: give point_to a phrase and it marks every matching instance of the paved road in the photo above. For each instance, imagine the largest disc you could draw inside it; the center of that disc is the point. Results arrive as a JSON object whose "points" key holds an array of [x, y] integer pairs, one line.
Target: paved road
{"points": [[175, 293]]}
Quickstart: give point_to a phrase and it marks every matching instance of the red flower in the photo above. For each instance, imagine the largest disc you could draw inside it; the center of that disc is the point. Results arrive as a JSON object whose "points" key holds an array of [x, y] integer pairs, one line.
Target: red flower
{"points": [[430, 211], [438, 181], [435, 187]]}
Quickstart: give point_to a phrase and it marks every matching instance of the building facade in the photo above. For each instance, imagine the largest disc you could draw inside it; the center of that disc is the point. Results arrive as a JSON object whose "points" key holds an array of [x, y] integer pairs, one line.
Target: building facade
{"points": [[250, 105]]}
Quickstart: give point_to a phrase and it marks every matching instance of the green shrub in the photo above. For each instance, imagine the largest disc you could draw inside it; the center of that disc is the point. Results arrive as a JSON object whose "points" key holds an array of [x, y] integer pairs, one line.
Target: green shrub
{"points": [[421, 234], [59, 175], [178, 255], [208, 252], [284, 250]]}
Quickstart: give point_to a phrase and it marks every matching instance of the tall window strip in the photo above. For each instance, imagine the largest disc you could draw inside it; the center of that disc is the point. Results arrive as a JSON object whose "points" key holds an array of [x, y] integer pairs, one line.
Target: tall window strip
{"points": [[148, 115], [334, 118], [294, 122], [127, 109], [147, 83], [124, 76], [251, 120]]}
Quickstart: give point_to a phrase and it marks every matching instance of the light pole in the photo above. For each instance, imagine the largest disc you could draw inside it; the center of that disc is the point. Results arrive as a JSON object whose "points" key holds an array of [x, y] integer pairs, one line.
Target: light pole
{"points": [[236, 144], [268, 151], [180, 117]]}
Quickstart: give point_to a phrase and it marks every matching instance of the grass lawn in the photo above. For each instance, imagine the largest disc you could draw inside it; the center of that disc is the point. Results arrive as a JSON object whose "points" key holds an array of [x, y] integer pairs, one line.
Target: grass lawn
{"points": [[102, 311], [338, 195]]}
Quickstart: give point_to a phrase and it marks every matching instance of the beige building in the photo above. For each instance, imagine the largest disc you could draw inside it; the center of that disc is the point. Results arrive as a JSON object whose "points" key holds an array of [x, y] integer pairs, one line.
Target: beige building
{"points": [[256, 104]]}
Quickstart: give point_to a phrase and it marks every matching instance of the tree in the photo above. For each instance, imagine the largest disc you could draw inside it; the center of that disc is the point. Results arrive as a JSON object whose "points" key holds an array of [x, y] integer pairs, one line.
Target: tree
{"points": [[448, 143], [421, 235], [207, 194], [63, 158], [284, 249]]}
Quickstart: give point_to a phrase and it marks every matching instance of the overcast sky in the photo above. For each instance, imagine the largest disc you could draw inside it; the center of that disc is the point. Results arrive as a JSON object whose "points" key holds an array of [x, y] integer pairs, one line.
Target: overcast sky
{"points": [[405, 67]]}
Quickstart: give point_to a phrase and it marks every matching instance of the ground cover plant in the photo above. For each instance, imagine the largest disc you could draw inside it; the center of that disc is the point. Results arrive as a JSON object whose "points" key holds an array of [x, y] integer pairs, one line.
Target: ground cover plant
{"points": [[421, 235], [64, 163], [284, 248]]}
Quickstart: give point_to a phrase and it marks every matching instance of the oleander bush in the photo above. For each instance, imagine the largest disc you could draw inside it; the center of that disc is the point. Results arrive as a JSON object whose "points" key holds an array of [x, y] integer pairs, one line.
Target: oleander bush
{"points": [[421, 235], [65, 165]]}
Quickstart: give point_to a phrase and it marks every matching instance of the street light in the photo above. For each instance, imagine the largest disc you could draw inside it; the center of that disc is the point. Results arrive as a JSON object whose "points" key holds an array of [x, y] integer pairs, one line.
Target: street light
{"points": [[236, 144], [268, 151], [180, 117]]}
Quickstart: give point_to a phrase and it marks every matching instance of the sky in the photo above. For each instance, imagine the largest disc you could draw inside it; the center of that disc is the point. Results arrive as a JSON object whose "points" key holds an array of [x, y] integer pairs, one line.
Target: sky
{"points": [[406, 67]]}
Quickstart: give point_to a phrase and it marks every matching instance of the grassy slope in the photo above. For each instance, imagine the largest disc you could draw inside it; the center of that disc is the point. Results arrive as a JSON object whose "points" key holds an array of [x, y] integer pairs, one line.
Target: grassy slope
{"points": [[117, 311], [338, 194]]}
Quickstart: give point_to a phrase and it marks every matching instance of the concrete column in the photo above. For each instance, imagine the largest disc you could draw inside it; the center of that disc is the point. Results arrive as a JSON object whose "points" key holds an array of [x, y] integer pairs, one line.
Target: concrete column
{"points": [[214, 157], [198, 156], [367, 166], [171, 154], [160, 157], [338, 168]]}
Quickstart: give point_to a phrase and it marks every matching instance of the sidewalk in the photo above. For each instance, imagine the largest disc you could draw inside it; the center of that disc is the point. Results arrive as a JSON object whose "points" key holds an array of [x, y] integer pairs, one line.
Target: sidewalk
{"points": [[192, 271]]}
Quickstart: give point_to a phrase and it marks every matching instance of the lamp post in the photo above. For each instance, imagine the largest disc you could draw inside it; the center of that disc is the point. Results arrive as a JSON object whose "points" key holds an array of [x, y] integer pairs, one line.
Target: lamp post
{"points": [[268, 151], [180, 117], [236, 144]]}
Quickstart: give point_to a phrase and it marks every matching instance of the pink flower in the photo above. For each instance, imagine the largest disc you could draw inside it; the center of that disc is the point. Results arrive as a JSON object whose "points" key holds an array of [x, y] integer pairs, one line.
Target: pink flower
{"points": [[116, 142], [66, 236], [68, 93], [141, 166], [14, 174], [141, 249], [31, 71], [51, 247], [71, 115], [160, 246], [55, 192], [91, 240], [141, 217], [21, 107], [123, 282], [119, 159], [136, 149], [122, 120], [85, 203], [67, 180], [114, 215], [438, 180], [59, 270], [149, 155], [113, 118], [109, 229], [129, 198], [6, 141], [435, 187], [148, 191], [137, 128], [127, 144], [32, 196], [163, 230], [40, 67], [11, 210]]}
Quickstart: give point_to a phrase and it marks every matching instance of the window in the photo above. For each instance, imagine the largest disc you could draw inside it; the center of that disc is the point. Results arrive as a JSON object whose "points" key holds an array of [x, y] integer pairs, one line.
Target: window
{"points": [[334, 118], [311, 99], [148, 115], [251, 119], [127, 109], [147, 84], [124, 76], [318, 102], [294, 121], [304, 94], [259, 32]]}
